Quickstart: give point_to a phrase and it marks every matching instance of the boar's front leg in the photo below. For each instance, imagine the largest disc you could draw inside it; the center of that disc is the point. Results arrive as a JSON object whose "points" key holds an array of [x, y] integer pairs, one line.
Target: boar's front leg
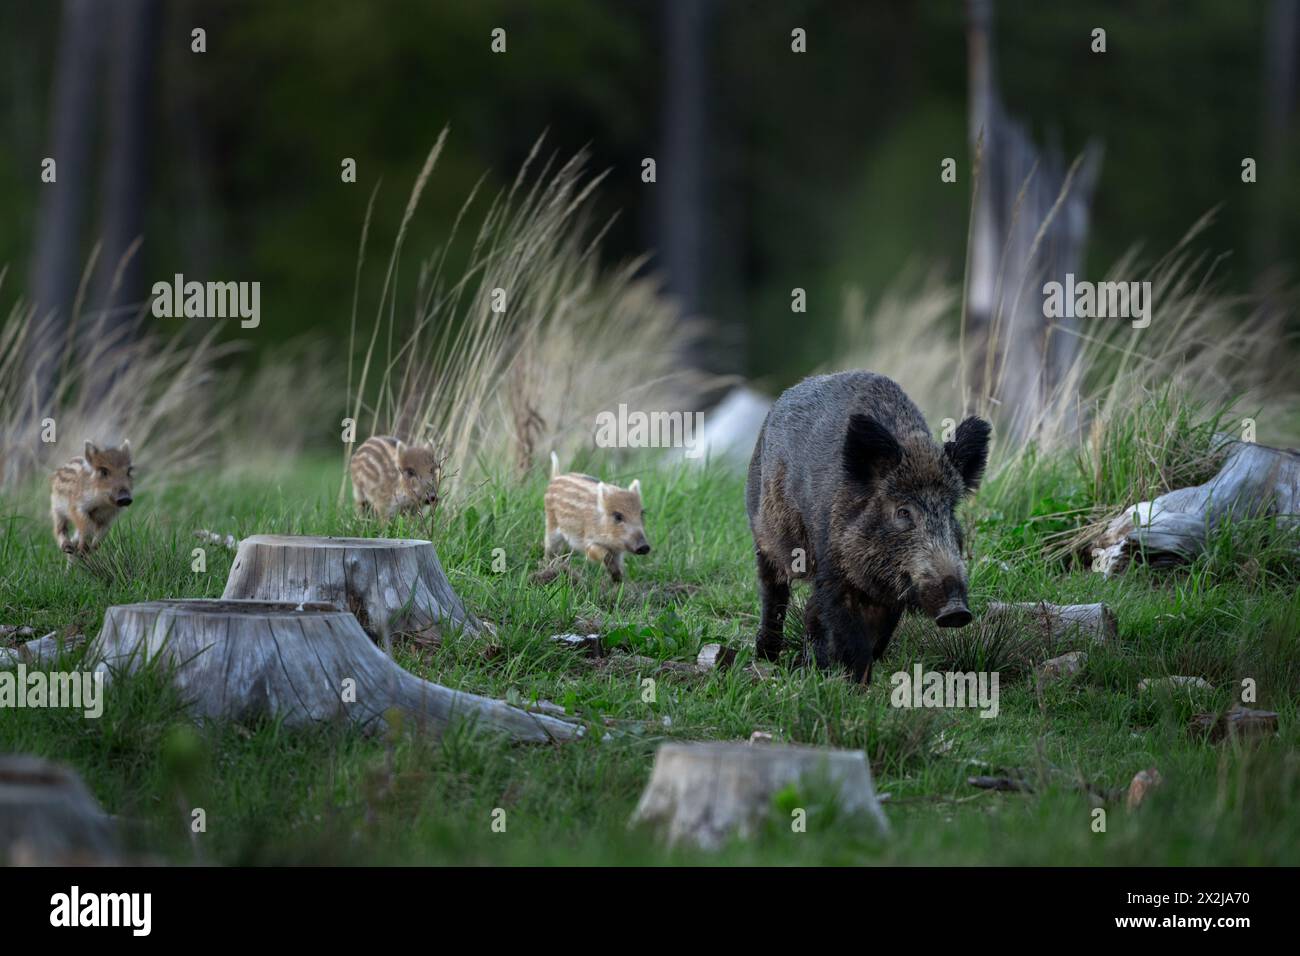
{"points": [[835, 629], [842, 629], [774, 591]]}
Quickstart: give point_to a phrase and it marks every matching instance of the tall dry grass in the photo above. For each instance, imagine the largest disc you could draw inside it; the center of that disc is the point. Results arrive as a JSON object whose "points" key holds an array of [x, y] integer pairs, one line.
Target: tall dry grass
{"points": [[1226, 353], [1135, 414], [516, 356], [106, 382]]}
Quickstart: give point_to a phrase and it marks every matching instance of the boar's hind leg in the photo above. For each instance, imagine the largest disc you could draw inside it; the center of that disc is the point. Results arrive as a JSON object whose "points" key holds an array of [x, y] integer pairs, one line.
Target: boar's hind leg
{"points": [[774, 590]]}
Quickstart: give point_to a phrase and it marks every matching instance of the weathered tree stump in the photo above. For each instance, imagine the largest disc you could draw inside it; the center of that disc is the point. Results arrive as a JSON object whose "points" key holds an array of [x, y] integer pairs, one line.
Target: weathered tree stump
{"points": [[1056, 623], [707, 792], [49, 817], [1255, 481], [390, 584], [302, 663]]}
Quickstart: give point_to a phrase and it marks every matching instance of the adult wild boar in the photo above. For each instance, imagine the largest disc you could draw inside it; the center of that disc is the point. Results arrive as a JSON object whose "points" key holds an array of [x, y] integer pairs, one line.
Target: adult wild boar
{"points": [[848, 488]]}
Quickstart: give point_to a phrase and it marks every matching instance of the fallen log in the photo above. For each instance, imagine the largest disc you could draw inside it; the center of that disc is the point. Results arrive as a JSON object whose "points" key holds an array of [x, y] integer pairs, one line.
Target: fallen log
{"points": [[391, 585], [302, 663], [1055, 623], [1239, 723], [1255, 481], [705, 793], [48, 816], [42, 650]]}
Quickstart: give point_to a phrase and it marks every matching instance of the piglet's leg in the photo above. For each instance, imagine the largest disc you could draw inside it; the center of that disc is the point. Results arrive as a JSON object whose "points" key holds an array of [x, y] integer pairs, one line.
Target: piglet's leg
{"points": [[85, 532], [613, 562], [61, 532]]}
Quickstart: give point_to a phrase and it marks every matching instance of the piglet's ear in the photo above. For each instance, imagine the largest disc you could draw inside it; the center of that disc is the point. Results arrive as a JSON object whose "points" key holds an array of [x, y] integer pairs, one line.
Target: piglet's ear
{"points": [[600, 496], [90, 450], [870, 450], [126, 445], [635, 487], [969, 450]]}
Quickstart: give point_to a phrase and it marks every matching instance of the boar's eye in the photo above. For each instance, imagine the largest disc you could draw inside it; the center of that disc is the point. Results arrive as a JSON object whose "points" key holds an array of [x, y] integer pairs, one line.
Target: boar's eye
{"points": [[618, 516], [904, 516]]}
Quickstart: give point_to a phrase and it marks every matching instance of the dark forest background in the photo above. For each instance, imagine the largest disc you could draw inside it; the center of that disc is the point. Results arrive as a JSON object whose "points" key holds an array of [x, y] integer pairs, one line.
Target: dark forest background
{"points": [[775, 170]]}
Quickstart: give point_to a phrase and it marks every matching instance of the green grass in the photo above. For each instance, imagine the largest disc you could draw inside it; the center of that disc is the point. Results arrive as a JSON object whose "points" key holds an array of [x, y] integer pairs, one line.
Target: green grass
{"points": [[334, 796]]}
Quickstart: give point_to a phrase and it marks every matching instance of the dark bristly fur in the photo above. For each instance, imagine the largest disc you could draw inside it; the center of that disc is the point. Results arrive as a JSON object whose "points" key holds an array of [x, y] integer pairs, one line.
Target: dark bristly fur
{"points": [[847, 488]]}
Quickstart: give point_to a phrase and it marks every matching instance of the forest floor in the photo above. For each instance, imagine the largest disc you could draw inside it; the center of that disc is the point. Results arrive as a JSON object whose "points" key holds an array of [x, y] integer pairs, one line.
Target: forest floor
{"points": [[334, 796]]}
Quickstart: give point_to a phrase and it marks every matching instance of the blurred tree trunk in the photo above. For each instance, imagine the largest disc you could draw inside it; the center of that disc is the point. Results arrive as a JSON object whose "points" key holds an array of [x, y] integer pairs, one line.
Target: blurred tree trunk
{"points": [[1281, 37], [1016, 358], [126, 185], [683, 167], [55, 263]]}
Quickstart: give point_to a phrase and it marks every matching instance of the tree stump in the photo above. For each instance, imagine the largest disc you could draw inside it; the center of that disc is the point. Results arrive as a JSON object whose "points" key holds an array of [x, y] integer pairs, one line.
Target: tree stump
{"points": [[390, 584], [1056, 623], [1255, 481], [302, 663], [707, 792], [49, 817]]}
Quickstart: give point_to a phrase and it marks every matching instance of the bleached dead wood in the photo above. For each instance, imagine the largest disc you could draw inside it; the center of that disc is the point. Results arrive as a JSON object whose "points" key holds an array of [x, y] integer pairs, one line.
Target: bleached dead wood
{"points": [[1238, 723], [302, 663], [1255, 481], [715, 657], [49, 817], [42, 650], [390, 584], [227, 541], [706, 793], [1056, 622]]}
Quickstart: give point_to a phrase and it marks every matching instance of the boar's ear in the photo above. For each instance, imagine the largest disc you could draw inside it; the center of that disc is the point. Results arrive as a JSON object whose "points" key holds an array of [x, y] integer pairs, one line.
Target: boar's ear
{"points": [[969, 450], [870, 450]]}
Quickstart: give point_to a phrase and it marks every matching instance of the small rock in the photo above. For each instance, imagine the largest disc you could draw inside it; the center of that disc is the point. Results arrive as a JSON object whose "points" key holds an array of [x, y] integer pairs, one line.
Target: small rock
{"points": [[1144, 781], [584, 643], [715, 657], [1063, 667], [1172, 683]]}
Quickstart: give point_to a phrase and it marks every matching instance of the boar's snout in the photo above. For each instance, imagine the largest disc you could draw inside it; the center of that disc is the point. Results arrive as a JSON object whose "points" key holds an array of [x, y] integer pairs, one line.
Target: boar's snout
{"points": [[952, 611], [954, 614]]}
